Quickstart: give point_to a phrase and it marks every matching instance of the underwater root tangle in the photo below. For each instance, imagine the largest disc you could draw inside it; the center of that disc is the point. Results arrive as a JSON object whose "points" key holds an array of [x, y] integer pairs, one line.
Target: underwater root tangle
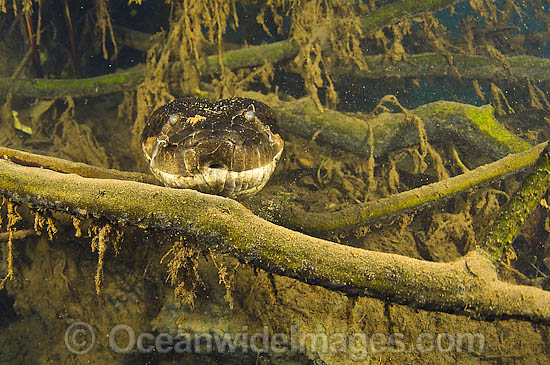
{"points": [[468, 285]]}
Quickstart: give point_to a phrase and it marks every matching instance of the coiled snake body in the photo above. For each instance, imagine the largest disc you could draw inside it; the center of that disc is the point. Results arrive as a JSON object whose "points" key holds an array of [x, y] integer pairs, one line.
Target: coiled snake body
{"points": [[228, 147]]}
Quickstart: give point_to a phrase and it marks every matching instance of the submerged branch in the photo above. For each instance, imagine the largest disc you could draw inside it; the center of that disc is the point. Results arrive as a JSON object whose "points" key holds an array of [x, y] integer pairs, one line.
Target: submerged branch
{"points": [[316, 223], [437, 65], [420, 65], [223, 225], [274, 53], [58, 88], [70, 167], [131, 78], [400, 9], [135, 39], [463, 124], [444, 121], [395, 204], [498, 240]]}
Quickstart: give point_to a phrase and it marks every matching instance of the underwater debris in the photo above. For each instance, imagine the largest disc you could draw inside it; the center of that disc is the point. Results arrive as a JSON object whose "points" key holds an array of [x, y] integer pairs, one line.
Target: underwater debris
{"points": [[43, 219], [77, 227], [499, 100], [225, 276], [103, 236], [13, 217], [372, 211], [499, 238], [183, 270]]}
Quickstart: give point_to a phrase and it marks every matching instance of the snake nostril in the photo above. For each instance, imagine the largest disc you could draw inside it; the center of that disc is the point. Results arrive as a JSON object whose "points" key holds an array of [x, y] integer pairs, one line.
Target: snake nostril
{"points": [[217, 166]]}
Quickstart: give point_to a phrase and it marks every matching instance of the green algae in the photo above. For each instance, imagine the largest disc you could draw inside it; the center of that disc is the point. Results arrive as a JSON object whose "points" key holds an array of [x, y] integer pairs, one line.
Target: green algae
{"points": [[499, 238], [401, 9]]}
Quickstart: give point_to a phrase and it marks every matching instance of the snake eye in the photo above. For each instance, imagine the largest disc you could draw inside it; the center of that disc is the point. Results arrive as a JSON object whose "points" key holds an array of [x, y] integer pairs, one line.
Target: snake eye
{"points": [[249, 115], [173, 119]]}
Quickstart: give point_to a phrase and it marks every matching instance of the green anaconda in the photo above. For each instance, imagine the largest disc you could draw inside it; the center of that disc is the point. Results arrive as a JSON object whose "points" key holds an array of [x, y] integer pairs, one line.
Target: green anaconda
{"points": [[227, 147]]}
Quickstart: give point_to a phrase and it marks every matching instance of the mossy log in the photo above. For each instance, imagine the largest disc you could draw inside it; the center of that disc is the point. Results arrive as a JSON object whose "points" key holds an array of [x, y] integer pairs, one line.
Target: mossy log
{"points": [[437, 65], [444, 121], [319, 223], [420, 65], [223, 225], [401, 9], [71, 167], [58, 88], [323, 222], [499, 238]]}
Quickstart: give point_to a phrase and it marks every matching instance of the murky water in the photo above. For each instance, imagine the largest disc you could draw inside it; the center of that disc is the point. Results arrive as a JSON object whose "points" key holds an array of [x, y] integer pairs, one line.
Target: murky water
{"points": [[387, 109]]}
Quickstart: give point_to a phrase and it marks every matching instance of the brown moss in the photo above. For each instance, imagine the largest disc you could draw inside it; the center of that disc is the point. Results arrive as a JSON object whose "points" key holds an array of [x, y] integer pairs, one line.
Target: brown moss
{"points": [[314, 26], [499, 101], [43, 220], [537, 96], [226, 276], [183, 271], [393, 177], [230, 83], [105, 26], [102, 237], [13, 217], [76, 141], [76, 225]]}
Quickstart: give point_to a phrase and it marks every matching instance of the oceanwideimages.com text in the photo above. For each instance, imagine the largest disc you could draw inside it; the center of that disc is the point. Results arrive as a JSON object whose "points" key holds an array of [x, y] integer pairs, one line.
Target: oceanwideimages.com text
{"points": [[80, 339]]}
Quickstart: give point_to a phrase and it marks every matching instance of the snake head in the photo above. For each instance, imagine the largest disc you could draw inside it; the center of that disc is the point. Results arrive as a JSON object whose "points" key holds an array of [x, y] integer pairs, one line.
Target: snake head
{"points": [[227, 147]]}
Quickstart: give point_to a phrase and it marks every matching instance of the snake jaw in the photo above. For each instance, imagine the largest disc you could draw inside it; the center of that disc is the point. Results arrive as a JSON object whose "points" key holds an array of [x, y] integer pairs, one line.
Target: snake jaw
{"points": [[221, 181], [161, 142], [216, 178]]}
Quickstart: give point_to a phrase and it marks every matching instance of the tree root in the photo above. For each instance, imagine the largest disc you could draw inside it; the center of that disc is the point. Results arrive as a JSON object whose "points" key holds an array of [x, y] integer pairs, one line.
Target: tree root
{"points": [[444, 121], [70, 167], [428, 64], [499, 238], [384, 208], [223, 225]]}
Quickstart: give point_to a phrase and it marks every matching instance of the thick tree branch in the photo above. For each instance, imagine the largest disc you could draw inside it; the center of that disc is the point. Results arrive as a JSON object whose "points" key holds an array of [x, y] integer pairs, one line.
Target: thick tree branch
{"points": [[499, 238], [58, 88], [70, 167], [444, 121], [420, 65], [317, 223], [223, 225], [437, 65], [400, 9]]}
